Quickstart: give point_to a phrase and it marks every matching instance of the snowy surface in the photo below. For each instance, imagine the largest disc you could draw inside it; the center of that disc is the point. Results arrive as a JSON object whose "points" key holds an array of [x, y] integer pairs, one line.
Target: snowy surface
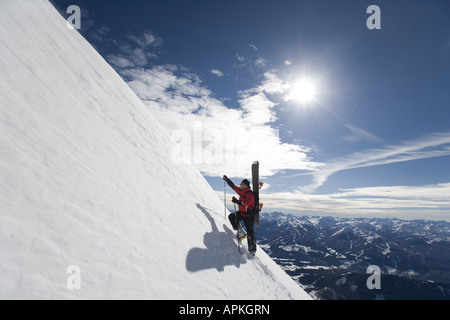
{"points": [[87, 179]]}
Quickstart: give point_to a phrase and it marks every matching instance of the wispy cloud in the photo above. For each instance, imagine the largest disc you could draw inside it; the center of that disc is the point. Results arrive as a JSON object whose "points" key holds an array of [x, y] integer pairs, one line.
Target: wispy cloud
{"points": [[137, 51], [357, 134], [257, 64], [261, 63], [217, 73], [146, 40], [253, 47], [429, 146], [99, 33]]}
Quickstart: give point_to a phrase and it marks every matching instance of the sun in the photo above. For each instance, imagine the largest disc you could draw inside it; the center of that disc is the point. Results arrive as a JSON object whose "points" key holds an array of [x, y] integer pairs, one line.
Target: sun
{"points": [[303, 91]]}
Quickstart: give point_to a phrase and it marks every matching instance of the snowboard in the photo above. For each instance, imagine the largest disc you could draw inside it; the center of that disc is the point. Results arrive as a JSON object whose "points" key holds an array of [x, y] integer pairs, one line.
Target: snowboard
{"points": [[256, 185]]}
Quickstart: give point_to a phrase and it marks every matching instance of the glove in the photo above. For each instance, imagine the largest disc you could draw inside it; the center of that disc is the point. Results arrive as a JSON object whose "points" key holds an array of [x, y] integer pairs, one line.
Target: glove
{"points": [[229, 182], [234, 200]]}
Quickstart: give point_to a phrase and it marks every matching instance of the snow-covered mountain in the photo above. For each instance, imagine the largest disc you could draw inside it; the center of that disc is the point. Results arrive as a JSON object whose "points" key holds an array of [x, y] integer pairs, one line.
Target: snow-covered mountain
{"points": [[330, 255], [91, 204]]}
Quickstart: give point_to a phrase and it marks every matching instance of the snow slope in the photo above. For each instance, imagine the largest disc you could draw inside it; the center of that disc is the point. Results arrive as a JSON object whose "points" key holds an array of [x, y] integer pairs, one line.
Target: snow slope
{"points": [[87, 180]]}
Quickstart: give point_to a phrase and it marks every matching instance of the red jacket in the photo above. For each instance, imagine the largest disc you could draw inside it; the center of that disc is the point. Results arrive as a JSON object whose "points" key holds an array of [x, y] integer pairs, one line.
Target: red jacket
{"points": [[247, 199]]}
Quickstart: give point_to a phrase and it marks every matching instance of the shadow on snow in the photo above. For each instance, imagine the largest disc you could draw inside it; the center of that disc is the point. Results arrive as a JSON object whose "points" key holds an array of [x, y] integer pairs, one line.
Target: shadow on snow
{"points": [[221, 249]]}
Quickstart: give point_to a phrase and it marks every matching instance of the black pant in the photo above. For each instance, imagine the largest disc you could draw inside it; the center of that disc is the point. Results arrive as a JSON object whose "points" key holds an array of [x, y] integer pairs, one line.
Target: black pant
{"points": [[249, 223]]}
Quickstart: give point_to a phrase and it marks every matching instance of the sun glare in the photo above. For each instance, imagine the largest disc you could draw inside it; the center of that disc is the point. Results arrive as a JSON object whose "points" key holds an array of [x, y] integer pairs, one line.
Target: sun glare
{"points": [[303, 91]]}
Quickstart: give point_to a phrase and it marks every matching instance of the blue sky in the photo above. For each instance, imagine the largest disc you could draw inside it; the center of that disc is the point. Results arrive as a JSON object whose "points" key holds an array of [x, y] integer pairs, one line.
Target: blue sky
{"points": [[225, 77]]}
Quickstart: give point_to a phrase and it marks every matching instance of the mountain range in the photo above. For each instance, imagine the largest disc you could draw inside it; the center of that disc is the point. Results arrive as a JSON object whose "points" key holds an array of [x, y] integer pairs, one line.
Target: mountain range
{"points": [[329, 256]]}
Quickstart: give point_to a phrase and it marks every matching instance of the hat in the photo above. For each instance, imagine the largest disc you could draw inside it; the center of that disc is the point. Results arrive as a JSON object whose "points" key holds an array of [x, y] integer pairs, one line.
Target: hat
{"points": [[246, 182]]}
